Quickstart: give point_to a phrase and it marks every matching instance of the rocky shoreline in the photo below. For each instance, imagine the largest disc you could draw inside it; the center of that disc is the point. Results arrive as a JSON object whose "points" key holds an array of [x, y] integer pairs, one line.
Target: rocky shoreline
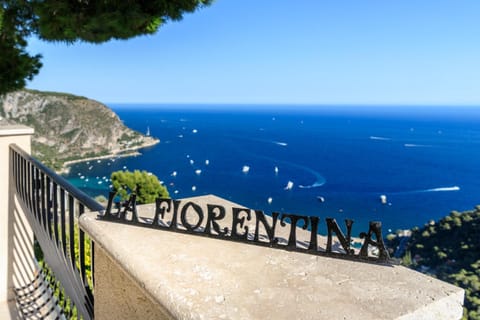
{"points": [[128, 152]]}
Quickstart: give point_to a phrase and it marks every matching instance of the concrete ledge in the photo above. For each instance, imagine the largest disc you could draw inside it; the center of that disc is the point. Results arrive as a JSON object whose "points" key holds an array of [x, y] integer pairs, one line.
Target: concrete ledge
{"points": [[8, 310], [189, 277], [15, 130]]}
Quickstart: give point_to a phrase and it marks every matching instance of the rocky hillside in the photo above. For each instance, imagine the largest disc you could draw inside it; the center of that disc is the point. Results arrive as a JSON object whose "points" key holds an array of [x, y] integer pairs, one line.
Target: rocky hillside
{"points": [[69, 127]]}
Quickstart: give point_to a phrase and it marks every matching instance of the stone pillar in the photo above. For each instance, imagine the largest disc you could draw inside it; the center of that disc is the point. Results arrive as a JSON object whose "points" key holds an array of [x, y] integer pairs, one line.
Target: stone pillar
{"points": [[14, 229]]}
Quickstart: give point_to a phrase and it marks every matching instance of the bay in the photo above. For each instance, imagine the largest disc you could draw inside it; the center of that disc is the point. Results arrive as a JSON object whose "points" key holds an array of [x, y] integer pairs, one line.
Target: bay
{"points": [[288, 158]]}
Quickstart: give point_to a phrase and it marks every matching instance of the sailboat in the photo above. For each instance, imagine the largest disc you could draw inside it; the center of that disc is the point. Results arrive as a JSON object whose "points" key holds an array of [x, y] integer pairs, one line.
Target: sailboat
{"points": [[148, 132]]}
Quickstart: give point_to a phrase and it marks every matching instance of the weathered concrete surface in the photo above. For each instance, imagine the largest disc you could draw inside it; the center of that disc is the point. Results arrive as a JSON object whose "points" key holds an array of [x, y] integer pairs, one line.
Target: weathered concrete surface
{"points": [[118, 297], [200, 278]]}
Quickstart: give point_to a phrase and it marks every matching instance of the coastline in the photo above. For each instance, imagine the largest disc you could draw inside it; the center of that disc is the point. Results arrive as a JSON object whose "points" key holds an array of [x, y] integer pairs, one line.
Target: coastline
{"points": [[127, 152]]}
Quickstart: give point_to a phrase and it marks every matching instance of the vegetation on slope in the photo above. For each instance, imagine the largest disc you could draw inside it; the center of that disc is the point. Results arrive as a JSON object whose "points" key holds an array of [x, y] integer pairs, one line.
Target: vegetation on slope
{"points": [[449, 250], [68, 127]]}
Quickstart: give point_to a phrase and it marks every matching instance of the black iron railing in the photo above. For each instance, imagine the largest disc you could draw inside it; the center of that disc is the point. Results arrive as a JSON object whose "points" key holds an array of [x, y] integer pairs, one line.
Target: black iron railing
{"points": [[52, 206]]}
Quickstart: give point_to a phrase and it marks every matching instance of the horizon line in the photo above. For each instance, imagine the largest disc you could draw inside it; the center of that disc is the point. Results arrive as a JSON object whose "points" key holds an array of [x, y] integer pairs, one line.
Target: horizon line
{"points": [[290, 104]]}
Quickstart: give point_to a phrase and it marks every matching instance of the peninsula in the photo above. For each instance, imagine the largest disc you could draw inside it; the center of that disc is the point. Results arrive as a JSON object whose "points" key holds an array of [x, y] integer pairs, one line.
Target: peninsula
{"points": [[69, 128]]}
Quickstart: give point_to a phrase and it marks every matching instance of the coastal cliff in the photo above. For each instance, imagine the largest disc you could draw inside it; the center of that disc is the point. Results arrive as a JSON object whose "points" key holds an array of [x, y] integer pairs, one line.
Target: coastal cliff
{"points": [[68, 127]]}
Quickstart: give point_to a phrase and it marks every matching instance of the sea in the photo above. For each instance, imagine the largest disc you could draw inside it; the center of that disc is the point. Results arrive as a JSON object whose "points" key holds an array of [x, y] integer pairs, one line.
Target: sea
{"points": [[326, 161]]}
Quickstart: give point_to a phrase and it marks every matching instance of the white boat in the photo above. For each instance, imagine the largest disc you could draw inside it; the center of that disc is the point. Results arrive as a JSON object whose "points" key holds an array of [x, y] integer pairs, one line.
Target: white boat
{"points": [[289, 185], [269, 200], [276, 169], [245, 169], [148, 132], [383, 199], [198, 171]]}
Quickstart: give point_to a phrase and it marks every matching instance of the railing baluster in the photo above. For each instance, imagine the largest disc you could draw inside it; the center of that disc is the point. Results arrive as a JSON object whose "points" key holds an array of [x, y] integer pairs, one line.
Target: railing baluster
{"points": [[55, 211], [14, 165], [21, 169], [81, 239], [92, 259], [42, 197], [29, 185], [36, 199], [62, 221], [22, 180], [16, 168], [49, 207], [12, 159], [71, 233]]}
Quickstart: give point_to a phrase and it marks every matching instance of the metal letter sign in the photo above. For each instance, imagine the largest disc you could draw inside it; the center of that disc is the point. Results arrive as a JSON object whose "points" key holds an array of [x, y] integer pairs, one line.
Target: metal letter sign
{"points": [[189, 217]]}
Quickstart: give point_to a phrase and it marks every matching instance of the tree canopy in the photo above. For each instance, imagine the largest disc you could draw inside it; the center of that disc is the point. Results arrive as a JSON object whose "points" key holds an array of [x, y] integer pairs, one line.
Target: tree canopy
{"points": [[449, 250], [145, 185], [75, 20]]}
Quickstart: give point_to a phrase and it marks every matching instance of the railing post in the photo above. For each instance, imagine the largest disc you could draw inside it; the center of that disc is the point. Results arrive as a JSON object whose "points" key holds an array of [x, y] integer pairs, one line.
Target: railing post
{"points": [[11, 223]]}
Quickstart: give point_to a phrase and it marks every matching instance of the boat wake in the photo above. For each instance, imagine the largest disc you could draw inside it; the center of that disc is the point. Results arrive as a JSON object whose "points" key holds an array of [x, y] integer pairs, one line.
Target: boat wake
{"points": [[319, 179], [314, 185], [276, 142], [440, 189], [443, 189], [413, 145], [379, 138]]}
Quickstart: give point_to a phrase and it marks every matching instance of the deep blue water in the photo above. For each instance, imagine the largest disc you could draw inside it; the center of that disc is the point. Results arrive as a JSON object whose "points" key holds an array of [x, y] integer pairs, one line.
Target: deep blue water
{"points": [[426, 161]]}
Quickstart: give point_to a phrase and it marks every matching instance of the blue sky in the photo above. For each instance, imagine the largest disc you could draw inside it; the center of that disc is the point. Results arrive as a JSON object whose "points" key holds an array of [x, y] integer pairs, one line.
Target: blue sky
{"points": [[290, 52]]}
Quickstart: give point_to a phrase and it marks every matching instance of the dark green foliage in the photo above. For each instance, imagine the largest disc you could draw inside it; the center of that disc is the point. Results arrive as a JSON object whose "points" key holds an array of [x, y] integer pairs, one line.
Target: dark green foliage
{"points": [[75, 20], [100, 21], [450, 251], [16, 64], [144, 184]]}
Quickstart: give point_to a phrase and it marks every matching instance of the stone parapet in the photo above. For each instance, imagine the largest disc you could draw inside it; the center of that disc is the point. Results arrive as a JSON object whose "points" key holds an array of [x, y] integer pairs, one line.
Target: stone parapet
{"points": [[155, 274]]}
